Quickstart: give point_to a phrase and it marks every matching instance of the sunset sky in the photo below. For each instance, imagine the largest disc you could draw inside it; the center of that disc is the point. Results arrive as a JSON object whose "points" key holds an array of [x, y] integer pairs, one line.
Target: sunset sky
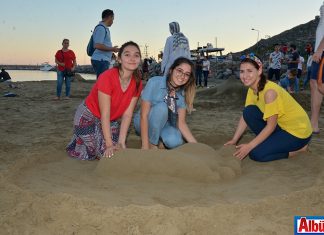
{"points": [[32, 31]]}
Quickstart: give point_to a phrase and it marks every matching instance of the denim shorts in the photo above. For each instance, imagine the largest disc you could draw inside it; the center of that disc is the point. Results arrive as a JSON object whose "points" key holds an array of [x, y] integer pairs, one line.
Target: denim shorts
{"points": [[314, 69]]}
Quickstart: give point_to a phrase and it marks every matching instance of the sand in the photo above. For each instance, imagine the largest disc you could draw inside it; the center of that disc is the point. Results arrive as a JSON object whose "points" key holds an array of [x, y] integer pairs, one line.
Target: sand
{"points": [[194, 189]]}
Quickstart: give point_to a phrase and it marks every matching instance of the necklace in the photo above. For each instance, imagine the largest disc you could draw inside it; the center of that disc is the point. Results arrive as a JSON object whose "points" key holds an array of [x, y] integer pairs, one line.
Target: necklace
{"points": [[124, 83]]}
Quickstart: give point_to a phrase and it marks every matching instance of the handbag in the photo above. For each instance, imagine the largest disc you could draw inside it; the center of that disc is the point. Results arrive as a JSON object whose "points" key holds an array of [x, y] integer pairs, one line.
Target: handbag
{"points": [[67, 72]]}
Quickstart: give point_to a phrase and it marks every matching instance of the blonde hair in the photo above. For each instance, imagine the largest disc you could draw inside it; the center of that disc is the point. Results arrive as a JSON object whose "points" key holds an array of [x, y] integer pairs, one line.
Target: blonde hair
{"points": [[190, 86]]}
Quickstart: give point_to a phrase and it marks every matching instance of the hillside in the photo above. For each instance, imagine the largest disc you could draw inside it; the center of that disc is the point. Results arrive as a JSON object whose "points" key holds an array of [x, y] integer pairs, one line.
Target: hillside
{"points": [[299, 35]]}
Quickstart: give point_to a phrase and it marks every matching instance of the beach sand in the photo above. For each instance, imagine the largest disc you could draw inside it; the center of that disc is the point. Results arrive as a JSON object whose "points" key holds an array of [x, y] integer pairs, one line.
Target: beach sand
{"points": [[194, 189]]}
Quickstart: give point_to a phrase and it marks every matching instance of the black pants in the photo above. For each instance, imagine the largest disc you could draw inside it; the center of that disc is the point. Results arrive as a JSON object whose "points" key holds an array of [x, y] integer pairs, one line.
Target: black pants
{"points": [[275, 72]]}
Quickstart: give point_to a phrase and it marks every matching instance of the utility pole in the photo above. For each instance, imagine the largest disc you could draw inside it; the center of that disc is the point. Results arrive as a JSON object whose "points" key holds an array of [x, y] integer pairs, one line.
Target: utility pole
{"points": [[257, 43], [145, 51], [258, 33], [216, 54]]}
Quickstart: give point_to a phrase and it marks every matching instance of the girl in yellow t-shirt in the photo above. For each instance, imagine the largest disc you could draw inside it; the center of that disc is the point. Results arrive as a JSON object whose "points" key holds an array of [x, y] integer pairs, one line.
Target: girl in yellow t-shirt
{"points": [[281, 125]]}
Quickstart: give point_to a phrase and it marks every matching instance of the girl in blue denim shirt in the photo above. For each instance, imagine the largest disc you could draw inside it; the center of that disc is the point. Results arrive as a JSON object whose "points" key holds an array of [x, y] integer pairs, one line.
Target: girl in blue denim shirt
{"points": [[164, 105]]}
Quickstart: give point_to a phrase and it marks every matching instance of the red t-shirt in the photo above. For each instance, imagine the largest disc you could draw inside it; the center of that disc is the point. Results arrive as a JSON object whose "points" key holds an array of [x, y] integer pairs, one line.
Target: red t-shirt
{"points": [[69, 56], [108, 83]]}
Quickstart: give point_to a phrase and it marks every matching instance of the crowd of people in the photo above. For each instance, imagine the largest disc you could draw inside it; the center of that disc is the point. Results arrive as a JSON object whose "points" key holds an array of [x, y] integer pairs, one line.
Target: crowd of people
{"points": [[102, 120], [293, 81]]}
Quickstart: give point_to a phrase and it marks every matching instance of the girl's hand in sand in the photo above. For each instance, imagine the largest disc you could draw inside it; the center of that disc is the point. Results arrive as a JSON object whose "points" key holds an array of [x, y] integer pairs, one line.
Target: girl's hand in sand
{"points": [[145, 146], [121, 146], [231, 142], [109, 152], [242, 151]]}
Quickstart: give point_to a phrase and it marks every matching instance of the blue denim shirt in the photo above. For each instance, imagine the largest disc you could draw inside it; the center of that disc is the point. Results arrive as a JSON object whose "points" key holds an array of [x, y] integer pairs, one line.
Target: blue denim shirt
{"points": [[286, 82], [156, 90], [102, 37]]}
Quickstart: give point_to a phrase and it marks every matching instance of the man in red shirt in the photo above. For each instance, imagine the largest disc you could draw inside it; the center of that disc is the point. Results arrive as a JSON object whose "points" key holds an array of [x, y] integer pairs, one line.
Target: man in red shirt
{"points": [[66, 63]]}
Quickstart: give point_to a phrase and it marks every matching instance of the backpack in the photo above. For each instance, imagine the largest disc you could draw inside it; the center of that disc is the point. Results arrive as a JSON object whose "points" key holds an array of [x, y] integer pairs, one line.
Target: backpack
{"points": [[90, 46]]}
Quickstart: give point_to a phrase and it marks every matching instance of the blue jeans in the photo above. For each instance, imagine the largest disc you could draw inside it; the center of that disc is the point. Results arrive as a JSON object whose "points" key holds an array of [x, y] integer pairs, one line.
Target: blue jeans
{"points": [[275, 72], [159, 127], [59, 84], [277, 145], [198, 77], [205, 77], [100, 66]]}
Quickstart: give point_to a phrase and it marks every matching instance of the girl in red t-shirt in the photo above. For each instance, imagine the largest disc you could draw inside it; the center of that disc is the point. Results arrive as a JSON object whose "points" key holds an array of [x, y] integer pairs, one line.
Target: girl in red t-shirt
{"points": [[101, 122]]}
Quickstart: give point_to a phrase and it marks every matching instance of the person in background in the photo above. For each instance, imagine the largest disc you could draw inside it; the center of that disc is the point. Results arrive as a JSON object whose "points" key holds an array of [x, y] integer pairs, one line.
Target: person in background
{"points": [[290, 82], [309, 69], [205, 70], [113, 61], [176, 45], [284, 49], [198, 68], [101, 122], [66, 62], [300, 66], [293, 57], [162, 115], [4, 76], [145, 69], [317, 74], [101, 57], [275, 60], [309, 49], [272, 114]]}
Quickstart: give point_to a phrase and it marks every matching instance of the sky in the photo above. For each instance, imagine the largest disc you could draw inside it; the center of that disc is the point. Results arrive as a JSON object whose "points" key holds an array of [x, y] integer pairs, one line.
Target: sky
{"points": [[31, 31]]}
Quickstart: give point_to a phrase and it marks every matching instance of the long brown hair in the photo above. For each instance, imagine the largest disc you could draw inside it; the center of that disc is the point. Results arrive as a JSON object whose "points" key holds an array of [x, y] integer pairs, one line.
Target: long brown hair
{"points": [[137, 73], [190, 86], [263, 78]]}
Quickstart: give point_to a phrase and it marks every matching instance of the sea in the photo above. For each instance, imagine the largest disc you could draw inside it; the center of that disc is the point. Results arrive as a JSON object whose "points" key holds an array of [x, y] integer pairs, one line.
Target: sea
{"points": [[37, 75]]}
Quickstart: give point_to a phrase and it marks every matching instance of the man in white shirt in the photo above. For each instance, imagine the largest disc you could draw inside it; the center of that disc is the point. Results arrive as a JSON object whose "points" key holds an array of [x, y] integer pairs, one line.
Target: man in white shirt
{"points": [[205, 69], [300, 66], [309, 70], [275, 60]]}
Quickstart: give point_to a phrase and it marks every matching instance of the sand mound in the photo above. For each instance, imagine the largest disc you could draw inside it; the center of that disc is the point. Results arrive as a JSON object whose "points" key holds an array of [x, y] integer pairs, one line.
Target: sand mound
{"points": [[190, 162], [231, 88], [231, 92]]}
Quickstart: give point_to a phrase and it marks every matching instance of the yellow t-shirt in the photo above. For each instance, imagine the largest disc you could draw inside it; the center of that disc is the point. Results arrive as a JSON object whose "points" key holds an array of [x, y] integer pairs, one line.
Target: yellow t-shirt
{"points": [[291, 116]]}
